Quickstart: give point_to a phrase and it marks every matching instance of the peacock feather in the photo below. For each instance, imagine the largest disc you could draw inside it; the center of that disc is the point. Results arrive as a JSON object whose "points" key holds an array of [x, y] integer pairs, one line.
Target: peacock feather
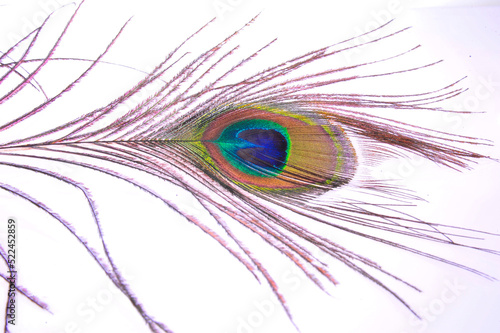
{"points": [[260, 153]]}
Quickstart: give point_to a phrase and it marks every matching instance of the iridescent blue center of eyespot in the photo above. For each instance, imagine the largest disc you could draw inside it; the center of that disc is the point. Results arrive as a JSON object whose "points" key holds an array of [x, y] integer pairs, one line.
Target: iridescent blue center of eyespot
{"points": [[256, 146], [269, 150]]}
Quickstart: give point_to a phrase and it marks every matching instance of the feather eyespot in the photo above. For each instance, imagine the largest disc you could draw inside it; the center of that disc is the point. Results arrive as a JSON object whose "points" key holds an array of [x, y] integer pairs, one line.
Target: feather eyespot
{"points": [[275, 149]]}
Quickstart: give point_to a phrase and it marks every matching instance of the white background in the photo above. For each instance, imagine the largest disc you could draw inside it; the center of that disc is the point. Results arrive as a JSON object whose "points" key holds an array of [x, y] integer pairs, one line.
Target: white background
{"points": [[187, 280]]}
